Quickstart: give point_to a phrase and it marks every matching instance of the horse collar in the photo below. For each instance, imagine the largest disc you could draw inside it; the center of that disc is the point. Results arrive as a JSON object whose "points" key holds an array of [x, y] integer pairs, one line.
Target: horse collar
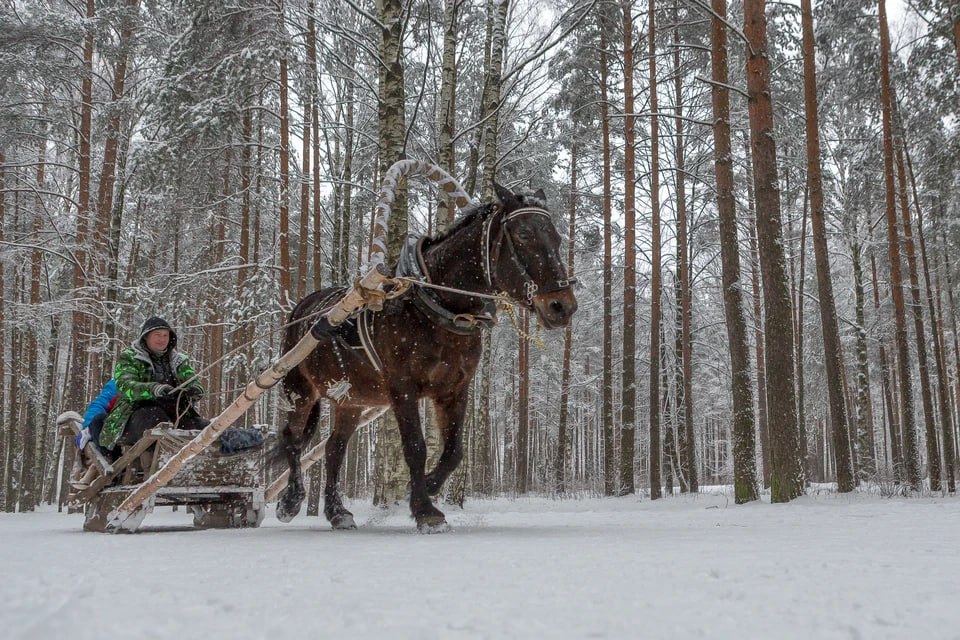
{"points": [[411, 264]]}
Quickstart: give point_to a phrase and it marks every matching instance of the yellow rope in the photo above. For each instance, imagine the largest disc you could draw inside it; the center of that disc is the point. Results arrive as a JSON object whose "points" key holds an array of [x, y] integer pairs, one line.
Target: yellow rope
{"points": [[504, 304]]}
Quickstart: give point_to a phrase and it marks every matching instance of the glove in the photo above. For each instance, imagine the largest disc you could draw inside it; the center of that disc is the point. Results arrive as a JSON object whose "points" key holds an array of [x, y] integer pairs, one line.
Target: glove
{"points": [[83, 438], [193, 392], [161, 390]]}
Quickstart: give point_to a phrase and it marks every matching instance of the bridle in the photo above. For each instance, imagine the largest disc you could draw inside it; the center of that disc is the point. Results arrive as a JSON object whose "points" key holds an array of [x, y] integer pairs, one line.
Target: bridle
{"points": [[530, 287]]}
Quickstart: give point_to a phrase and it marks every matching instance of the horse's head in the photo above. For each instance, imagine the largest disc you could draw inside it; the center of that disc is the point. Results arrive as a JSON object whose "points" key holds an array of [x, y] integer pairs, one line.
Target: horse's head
{"points": [[522, 255]]}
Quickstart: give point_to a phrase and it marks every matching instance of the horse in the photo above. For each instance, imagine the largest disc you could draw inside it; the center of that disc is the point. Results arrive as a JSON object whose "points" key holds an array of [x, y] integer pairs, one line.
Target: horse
{"points": [[425, 343]]}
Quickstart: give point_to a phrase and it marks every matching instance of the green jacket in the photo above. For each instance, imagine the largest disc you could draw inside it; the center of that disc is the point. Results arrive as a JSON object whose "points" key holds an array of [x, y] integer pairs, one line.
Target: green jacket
{"points": [[134, 377]]}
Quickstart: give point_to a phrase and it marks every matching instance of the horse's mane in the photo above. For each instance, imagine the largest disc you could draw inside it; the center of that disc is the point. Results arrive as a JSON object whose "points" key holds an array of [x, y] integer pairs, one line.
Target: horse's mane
{"points": [[478, 211], [470, 214]]}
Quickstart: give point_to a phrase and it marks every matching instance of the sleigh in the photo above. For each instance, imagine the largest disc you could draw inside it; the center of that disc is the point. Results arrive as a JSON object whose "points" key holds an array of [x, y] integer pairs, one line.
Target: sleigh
{"points": [[222, 492]]}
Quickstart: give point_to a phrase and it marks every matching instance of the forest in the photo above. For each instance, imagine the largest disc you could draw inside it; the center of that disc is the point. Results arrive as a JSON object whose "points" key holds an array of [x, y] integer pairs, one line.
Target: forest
{"points": [[759, 201]]}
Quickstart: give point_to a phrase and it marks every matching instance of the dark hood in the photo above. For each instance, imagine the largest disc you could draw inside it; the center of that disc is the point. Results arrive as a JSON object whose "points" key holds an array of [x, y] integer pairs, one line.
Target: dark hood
{"points": [[157, 322]]}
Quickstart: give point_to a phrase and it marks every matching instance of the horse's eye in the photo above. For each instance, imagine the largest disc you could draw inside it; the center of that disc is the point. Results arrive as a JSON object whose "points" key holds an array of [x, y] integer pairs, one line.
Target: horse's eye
{"points": [[523, 236]]}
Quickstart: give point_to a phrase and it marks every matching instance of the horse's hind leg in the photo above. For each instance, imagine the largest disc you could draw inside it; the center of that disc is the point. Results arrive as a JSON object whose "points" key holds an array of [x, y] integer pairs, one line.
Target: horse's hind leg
{"points": [[345, 421], [300, 427]]}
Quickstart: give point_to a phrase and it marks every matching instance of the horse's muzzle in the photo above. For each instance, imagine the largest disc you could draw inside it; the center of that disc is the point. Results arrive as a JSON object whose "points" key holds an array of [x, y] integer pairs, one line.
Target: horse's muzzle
{"points": [[555, 309]]}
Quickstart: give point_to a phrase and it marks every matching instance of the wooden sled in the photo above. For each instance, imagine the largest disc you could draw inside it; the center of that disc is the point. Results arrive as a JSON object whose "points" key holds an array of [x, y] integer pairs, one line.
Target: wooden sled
{"points": [[222, 492]]}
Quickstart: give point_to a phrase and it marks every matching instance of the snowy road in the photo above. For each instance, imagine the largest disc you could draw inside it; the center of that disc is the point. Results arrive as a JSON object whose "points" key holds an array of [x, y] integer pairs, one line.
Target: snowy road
{"points": [[821, 567]]}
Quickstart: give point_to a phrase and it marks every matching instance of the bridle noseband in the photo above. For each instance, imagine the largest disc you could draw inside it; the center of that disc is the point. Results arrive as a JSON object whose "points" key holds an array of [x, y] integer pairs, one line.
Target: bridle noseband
{"points": [[530, 287]]}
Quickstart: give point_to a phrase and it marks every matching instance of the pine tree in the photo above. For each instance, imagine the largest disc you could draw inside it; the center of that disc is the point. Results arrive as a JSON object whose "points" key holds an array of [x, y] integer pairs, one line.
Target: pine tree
{"points": [[744, 446], [787, 479]]}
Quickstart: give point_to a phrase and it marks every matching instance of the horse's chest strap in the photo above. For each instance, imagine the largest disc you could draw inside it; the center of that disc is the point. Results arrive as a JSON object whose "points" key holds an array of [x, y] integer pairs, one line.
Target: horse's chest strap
{"points": [[466, 324]]}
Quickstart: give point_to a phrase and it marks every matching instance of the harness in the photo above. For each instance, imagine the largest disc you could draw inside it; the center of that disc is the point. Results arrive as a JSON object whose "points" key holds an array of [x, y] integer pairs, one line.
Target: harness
{"points": [[412, 269], [411, 265]]}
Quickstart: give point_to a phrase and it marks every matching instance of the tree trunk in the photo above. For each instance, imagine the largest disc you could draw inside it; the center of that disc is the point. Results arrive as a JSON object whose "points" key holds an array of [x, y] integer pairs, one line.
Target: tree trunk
{"points": [[629, 378], [671, 449], [284, 233], [893, 423], [522, 480], [944, 245], [911, 453], [609, 470], [79, 389], [448, 109], [916, 306], [833, 354], [491, 99], [215, 314], [5, 425], [30, 476], [952, 460], [744, 440], [346, 217], [483, 468], [655, 260], [392, 126], [675, 439], [786, 480], [108, 171], [560, 466], [684, 272], [758, 334], [314, 71], [50, 439], [943, 393], [865, 446], [955, 18], [303, 247]]}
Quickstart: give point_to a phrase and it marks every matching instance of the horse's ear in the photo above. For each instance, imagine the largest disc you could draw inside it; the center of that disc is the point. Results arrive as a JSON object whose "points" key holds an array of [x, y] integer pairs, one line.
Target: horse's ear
{"points": [[503, 194]]}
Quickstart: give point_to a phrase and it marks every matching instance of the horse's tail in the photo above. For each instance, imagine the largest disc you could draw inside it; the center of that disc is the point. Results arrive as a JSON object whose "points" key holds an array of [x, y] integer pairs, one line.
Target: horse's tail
{"points": [[307, 312]]}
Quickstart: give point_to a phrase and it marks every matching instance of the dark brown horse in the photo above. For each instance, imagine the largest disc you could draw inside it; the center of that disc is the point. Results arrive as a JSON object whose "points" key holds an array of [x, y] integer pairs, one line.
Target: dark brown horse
{"points": [[424, 344]]}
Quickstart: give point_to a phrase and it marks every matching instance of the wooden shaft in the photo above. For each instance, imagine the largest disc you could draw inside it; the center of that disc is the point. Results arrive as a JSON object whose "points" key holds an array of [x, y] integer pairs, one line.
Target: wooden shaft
{"points": [[388, 190]]}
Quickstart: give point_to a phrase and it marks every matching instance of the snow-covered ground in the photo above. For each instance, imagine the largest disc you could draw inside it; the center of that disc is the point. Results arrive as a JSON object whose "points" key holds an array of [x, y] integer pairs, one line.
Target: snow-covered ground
{"points": [[824, 566]]}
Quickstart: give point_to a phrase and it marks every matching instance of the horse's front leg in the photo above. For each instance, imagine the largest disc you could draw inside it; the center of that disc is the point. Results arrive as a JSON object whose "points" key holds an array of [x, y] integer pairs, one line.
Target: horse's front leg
{"points": [[404, 403], [451, 410], [294, 436]]}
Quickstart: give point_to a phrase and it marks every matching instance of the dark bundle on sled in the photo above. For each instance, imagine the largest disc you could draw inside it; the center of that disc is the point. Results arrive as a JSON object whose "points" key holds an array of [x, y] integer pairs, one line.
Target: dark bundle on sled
{"points": [[234, 441]]}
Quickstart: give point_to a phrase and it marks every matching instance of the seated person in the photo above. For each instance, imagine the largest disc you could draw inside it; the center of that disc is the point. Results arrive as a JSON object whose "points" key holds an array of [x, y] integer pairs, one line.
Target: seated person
{"points": [[155, 383], [93, 419], [96, 414]]}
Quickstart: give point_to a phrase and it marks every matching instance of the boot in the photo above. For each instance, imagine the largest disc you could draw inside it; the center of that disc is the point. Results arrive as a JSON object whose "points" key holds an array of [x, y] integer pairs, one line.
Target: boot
{"points": [[146, 461], [89, 475], [194, 423]]}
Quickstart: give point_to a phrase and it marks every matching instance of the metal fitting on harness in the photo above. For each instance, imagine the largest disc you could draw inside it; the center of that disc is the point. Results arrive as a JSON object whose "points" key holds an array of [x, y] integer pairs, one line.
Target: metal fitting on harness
{"points": [[531, 289]]}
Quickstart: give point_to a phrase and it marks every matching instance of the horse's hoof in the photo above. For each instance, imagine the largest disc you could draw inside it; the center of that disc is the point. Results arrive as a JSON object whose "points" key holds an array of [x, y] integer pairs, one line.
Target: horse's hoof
{"points": [[289, 505], [285, 516], [343, 521], [433, 524]]}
